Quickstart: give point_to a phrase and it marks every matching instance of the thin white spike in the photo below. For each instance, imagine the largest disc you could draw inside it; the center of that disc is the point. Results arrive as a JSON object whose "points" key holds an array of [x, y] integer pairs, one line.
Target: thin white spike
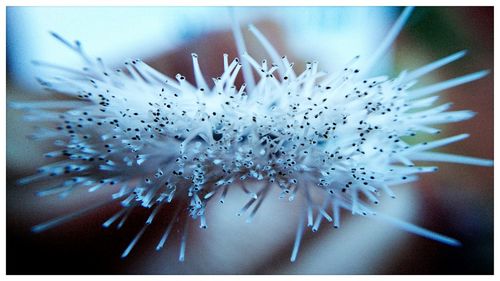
{"points": [[75, 47], [388, 40], [411, 170], [321, 214], [425, 102], [153, 213], [247, 205], [226, 61], [32, 178], [396, 181], [57, 221], [226, 75], [253, 63], [62, 40], [224, 193], [434, 144], [388, 191], [404, 160], [263, 65], [370, 195], [261, 196], [203, 221], [134, 73], [210, 194], [434, 65], [293, 193], [326, 215], [147, 70], [309, 208], [59, 67], [116, 216], [336, 213], [447, 84], [444, 157], [240, 46], [309, 216], [125, 217], [46, 104], [425, 129], [269, 48], [298, 239], [417, 230], [168, 230], [232, 78], [289, 73], [242, 88], [198, 75], [213, 192], [132, 244], [182, 251], [448, 117], [317, 222], [430, 112]]}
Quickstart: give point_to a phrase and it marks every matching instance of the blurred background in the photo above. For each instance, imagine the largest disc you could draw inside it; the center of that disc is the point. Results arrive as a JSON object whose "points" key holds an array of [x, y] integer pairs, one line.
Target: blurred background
{"points": [[456, 201]]}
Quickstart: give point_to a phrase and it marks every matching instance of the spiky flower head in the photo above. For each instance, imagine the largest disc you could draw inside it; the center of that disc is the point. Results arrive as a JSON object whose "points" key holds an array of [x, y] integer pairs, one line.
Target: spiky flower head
{"points": [[341, 140]]}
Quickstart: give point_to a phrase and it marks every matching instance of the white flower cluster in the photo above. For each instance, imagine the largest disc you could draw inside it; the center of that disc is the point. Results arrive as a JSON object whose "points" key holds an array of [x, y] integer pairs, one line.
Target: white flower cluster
{"points": [[340, 140]]}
